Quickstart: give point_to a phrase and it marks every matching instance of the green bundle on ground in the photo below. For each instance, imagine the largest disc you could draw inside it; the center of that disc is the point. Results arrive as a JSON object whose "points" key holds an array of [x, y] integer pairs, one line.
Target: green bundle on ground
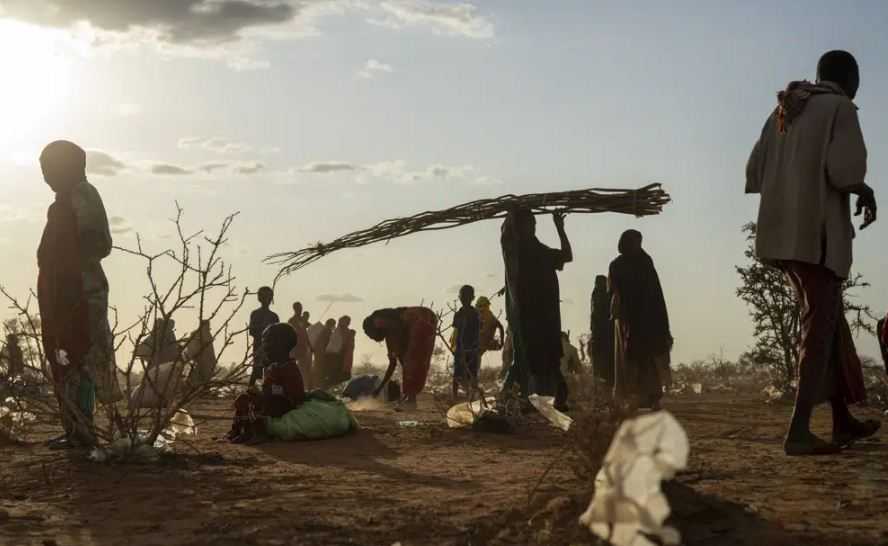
{"points": [[645, 201]]}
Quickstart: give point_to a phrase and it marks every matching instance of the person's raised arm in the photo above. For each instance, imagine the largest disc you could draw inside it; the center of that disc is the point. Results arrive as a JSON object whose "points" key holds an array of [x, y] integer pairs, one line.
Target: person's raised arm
{"points": [[846, 161], [566, 250]]}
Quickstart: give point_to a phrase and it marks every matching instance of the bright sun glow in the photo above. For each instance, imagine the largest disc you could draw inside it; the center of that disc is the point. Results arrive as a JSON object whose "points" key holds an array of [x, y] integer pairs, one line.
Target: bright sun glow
{"points": [[34, 83]]}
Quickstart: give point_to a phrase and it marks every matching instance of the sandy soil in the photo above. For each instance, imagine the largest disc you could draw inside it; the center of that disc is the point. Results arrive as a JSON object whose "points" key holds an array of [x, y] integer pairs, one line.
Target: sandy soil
{"points": [[429, 485]]}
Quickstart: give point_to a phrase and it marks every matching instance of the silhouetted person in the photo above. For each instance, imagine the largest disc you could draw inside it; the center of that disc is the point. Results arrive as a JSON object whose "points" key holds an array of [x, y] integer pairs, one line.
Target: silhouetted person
{"points": [[601, 342], [73, 293], [160, 346], [808, 161], [882, 333], [339, 355], [260, 319], [282, 387], [303, 350], [641, 324], [319, 347], [409, 334], [15, 359], [490, 327], [533, 305], [467, 337]]}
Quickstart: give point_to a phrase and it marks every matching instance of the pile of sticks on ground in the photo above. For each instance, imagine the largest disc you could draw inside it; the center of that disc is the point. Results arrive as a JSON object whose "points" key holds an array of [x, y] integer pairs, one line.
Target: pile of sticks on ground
{"points": [[645, 201]]}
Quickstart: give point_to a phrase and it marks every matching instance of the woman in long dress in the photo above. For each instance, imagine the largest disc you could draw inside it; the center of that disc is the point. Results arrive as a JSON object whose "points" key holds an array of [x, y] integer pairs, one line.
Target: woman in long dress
{"points": [[409, 334], [641, 326]]}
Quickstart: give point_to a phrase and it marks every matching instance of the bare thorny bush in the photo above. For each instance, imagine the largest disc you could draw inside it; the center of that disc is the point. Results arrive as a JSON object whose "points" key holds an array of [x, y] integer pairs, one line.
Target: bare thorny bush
{"points": [[191, 284]]}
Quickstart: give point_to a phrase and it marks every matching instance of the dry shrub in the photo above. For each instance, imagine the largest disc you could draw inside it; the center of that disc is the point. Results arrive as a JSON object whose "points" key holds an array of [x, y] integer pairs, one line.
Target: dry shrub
{"points": [[190, 284]]}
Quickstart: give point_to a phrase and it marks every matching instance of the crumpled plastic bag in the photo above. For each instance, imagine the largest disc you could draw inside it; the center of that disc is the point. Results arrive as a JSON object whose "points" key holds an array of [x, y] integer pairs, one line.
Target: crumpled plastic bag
{"points": [[628, 502], [546, 406], [464, 414]]}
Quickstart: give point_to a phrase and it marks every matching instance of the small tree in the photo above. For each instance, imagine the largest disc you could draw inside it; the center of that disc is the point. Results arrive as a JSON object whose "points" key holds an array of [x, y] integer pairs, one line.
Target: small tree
{"points": [[775, 313]]}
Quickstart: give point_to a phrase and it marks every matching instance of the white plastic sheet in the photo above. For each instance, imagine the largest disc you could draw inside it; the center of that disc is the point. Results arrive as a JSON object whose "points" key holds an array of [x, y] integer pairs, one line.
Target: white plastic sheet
{"points": [[464, 414], [546, 406], [628, 502]]}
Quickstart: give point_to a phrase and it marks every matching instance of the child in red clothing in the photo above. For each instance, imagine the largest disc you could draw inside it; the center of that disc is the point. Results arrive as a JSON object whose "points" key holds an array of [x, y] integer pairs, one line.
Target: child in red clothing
{"points": [[282, 388]]}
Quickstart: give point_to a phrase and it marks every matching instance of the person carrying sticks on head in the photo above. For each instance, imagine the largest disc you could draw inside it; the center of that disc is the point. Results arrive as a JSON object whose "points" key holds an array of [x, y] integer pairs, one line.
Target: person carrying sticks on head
{"points": [[533, 305], [260, 319], [72, 292], [466, 349], [409, 334], [808, 161]]}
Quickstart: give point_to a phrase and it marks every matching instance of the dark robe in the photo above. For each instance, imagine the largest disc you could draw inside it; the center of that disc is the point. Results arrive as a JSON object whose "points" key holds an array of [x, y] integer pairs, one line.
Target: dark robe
{"points": [[883, 340], [601, 344], [533, 309], [641, 324]]}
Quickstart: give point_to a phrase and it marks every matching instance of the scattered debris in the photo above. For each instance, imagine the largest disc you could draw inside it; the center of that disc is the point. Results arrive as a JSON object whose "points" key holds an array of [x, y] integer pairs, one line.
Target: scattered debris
{"points": [[465, 413], [629, 506], [546, 406]]}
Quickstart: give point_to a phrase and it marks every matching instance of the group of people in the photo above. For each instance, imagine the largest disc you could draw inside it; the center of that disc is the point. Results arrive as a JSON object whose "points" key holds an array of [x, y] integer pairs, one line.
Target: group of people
{"points": [[323, 352], [808, 161]]}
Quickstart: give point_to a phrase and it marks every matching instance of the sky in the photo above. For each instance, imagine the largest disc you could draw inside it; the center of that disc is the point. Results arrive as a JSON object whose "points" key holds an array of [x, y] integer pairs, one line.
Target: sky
{"points": [[316, 118]]}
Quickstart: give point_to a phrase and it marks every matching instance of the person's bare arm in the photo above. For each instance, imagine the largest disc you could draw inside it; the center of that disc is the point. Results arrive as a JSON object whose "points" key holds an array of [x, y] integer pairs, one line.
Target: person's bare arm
{"points": [[566, 250], [393, 363]]}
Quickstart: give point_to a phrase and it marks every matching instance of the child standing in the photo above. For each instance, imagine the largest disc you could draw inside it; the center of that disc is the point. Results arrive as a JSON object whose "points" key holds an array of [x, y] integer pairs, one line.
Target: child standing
{"points": [[260, 319], [467, 332]]}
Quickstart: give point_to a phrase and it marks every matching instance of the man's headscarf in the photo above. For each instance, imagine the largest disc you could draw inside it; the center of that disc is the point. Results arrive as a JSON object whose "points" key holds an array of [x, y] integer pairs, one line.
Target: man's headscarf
{"points": [[837, 74]]}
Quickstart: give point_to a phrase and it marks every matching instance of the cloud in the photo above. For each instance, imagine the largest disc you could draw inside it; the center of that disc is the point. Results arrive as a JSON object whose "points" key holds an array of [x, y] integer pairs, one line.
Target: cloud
{"points": [[324, 167], [213, 167], [339, 298], [171, 21], [103, 164], [247, 167], [165, 169], [397, 171], [460, 19], [119, 225], [214, 144], [373, 68]]}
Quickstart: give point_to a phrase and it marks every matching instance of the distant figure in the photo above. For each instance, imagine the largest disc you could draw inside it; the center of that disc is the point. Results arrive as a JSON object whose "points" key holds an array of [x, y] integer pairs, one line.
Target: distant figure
{"points": [[72, 291], [490, 327], [306, 318], [641, 323], [320, 342], [12, 354], [601, 341], [533, 305], [282, 387], [160, 345], [303, 351], [200, 351], [466, 350], [260, 319], [296, 319], [570, 363], [409, 335], [339, 355], [808, 161], [882, 333]]}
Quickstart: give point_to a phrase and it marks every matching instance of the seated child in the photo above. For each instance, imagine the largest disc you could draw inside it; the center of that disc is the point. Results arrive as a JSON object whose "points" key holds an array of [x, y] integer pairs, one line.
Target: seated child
{"points": [[282, 387]]}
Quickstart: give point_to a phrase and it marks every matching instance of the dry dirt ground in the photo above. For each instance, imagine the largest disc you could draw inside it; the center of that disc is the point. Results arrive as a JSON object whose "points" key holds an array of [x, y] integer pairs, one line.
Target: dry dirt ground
{"points": [[429, 485]]}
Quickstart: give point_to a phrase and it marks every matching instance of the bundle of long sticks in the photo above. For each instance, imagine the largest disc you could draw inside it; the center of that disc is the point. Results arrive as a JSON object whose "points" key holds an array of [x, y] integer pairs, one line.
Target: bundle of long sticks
{"points": [[645, 201]]}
